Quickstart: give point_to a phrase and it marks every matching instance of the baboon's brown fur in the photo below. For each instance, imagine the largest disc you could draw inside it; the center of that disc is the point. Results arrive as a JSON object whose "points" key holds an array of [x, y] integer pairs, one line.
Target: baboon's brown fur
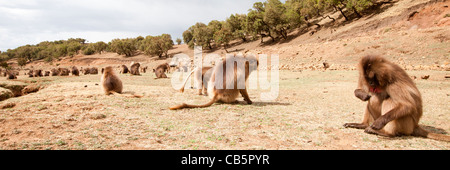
{"points": [[55, 72], [110, 82], [93, 70], [160, 71], [395, 105], [124, 69], [87, 71], [224, 94], [134, 69], [63, 71], [75, 71]]}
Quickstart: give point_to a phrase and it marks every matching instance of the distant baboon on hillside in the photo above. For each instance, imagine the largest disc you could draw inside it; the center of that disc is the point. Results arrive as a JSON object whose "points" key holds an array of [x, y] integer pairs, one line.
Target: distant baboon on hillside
{"points": [[37, 73], [54, 71], [10, 75], [75, 71], [47, 73], [94, 70], [63, 72], [87, 71]]}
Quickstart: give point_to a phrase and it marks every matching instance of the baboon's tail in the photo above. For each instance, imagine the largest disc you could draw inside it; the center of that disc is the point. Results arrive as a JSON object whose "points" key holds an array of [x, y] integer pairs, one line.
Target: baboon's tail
{"points": [[184, 105], [133, 95], [418, 131], [185, 81]]}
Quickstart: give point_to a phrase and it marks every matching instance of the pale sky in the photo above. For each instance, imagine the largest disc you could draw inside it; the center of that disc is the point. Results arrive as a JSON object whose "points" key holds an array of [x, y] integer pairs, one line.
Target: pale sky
{"points": [[32, 21]]}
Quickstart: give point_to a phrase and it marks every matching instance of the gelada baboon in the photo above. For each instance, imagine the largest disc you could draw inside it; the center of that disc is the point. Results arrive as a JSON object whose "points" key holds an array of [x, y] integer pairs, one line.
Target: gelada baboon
{"points": [[160, 71], [110, 82], [93, 70], [124, 69], [75, 71], [202, 77], [37, 73], [134, 69], [10, 75], [55, 72], [395, 103], [87, 71], [239, 75], [63, 71]]}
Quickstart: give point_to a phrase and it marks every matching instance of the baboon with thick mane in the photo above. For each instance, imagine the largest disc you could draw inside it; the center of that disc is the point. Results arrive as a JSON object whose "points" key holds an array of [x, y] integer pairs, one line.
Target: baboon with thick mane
{"points": [[110, 82], [218, 91], [395, 103]]}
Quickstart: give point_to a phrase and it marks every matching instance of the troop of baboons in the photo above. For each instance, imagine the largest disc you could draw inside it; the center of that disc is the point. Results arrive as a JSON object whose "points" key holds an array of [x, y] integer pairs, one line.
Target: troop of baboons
{"points": [[394, 105]]}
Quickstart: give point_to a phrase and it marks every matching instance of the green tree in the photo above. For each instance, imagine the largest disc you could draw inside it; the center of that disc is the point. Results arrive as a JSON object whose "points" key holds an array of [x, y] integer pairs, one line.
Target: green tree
{"points": [[223, 37], [125, 47], [178, 41], [236, 24], [255, 24], [275, 17]]}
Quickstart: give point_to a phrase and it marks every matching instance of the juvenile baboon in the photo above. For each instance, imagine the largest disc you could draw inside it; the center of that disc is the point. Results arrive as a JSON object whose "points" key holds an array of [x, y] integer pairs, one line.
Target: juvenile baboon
{"points": [[63, 72], [395, 105], [75, 71], [238, 75], [110, 82], [94, 70], [134, 69], [202, 77], [47, 73], [55, 72], [124, 69]]}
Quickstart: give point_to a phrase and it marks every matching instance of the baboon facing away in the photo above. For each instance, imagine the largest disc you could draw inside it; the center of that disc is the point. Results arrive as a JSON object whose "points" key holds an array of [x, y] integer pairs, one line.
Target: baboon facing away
{"points": [[124, 69], [224, 94], [134, 69], [75, 71], [110, 82], [394, 102]]}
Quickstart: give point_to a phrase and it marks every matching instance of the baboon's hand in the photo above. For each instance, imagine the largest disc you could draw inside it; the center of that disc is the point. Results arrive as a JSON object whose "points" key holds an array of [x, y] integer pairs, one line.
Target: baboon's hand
{"points": [[361, 94], [379, 123]]}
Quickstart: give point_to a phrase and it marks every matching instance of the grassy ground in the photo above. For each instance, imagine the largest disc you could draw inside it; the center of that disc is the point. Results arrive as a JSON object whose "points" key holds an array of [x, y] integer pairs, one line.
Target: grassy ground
{"points": [[308, 114]]}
